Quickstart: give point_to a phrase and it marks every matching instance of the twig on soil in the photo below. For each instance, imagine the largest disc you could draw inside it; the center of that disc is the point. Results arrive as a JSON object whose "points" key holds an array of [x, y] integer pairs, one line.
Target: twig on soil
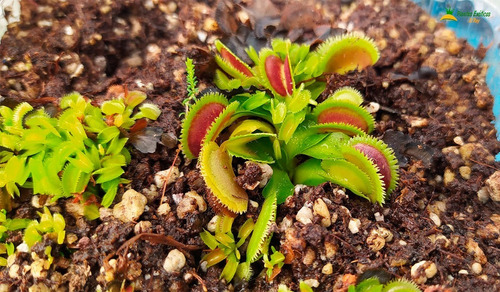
{"points": [[154, 238], [483, 164], [204, 287]]}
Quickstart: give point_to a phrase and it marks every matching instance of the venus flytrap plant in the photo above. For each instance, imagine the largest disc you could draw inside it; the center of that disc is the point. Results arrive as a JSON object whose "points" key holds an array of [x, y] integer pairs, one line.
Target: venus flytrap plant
{"points": [[373, 284], [79, 153], [278, 121]]}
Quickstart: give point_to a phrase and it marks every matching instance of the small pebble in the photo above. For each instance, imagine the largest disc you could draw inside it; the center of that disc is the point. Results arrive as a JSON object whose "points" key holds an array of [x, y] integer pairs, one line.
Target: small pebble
{"points": [[458, 140], [483, 195], [476, 268], [379, 217], [463, 272], [422, 271], [202, 36], [312, 283], [304, 215], [164, 209], [373, 107], [493, 186], [327, 269], [169, 175], [131, 207], [435, 218], [174, 261], [143, 227], [354, 225], [465, 172], [320, 208]]}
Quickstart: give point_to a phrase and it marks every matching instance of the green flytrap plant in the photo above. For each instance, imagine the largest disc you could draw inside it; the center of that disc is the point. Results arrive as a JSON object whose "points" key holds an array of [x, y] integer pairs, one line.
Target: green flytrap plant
{"points": [[79, 153], [277, 120], [374, 285], [80, 150]]}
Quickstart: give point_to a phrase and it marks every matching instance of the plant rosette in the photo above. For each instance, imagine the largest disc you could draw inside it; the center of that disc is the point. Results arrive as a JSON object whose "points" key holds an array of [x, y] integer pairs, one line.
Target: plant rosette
{"points": [[277, 120]]}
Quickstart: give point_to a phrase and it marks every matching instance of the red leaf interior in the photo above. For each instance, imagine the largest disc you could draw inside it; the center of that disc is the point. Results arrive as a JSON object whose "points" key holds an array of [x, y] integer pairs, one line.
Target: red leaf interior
{"points": [[237, 64], [274, 72], [200, 125], [379, 159], [343, 115]]}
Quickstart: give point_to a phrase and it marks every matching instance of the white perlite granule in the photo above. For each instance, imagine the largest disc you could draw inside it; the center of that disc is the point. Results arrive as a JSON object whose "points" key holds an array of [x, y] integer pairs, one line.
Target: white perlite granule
{"points": [[14, 9]]}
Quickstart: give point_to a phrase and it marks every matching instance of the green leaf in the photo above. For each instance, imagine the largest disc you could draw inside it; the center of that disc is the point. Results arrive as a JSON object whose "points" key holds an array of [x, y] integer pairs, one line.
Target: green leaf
{"points": [[299, 100], [148, 110], [279, 185], [261, 230], [73, 100], [17, 170], [68, 121], [249, 126], [91, 212], [9, 141], [328, 148], [256, 100], [245, 230], [369, 285], [107, 134], [304, 287], [134, 98], [111, 107], [18, 114], [225, 83], [82, 162], [95, 123], [316, 88], [16, 224], [230, 268], [252, 53], [303, 138], [111, 188], [209, 240], [45, 177], [70, 179], [348, 175], [290, 124], [114, 160], [278, 111], [310, 173], [108, 173], [251, 146], [116, 145], [10, 247], [31, 235]]}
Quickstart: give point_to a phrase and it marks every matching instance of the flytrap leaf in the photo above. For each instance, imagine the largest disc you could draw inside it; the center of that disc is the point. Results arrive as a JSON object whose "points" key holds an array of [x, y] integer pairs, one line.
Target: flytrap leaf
{"points": [[327, 148], [254, 147], [377, 193], [233, 65], [348, 175], [343, 116], [198, 121], [310, 173], [401, 285], [226, 195], [347, 93], [275, 73], [345, 53], [382, 156], [279, 185], [261, 231]]}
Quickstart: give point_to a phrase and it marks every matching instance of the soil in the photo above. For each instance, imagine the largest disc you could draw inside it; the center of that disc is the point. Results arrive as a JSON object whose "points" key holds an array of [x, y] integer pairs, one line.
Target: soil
{"points": [[435, 112]]}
